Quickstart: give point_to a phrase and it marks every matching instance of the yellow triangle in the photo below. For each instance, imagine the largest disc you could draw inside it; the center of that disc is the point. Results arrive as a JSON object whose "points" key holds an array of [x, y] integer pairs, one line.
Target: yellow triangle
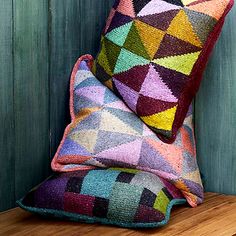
{"points": [[181, 28], [181, 63], [162, 120], [150, 37], [102, 61], [186, 2], [86, 138], [111, 123]]}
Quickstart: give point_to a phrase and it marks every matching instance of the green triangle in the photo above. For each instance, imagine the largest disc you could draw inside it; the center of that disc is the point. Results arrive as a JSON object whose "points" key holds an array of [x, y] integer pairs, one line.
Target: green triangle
{"points": [[134, 43], [102, 59], [112, 53], [119, 35], [181, 63], [127, 60]]}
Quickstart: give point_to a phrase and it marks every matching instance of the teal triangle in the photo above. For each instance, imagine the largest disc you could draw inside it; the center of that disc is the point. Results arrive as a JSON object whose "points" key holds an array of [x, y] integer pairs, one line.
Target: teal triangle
{"points": [[110, 97], [107, 140], [90, 81], [129, 118], [127, 60], [119, 35]]}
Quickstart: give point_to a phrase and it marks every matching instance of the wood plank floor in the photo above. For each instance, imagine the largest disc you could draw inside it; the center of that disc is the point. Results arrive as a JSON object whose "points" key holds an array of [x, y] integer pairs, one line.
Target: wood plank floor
{"points": [[217, 216]]}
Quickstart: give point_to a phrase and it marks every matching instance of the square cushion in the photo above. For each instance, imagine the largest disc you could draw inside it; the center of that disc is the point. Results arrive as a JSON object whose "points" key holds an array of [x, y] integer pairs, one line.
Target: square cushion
{"points": [[153, 53], [124, 197], [104, 132]]}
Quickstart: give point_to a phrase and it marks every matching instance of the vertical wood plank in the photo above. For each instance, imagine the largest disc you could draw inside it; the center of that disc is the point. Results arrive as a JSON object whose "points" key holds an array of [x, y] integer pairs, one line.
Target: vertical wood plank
{"points": [[6, 108], [75, 30], [31, 93], [216, 114]]}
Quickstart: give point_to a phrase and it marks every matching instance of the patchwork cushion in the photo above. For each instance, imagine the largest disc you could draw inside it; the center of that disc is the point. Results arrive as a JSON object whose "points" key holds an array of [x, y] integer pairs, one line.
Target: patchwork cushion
{"points": [[104, 132], [153, 53], [124, 197]]}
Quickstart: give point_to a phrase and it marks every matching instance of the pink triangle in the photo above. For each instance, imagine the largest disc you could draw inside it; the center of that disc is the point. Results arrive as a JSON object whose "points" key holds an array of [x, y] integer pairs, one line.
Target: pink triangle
{"points": [[129, 95], [126, 7], [155, 88], [128, 153], [172, 153], [156, 7]]}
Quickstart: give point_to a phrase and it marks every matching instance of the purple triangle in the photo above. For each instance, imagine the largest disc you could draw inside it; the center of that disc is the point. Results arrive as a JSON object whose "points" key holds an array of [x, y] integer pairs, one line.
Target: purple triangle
{"points": [[160, 20], [71, 147], [118, 20], [171, 46], [174, 80], [129, 95]]}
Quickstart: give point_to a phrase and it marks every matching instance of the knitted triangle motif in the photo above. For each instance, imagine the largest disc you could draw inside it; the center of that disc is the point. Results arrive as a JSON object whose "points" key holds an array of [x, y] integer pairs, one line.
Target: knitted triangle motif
{"points": [[175, 38], [108, 134], [134, 44]]}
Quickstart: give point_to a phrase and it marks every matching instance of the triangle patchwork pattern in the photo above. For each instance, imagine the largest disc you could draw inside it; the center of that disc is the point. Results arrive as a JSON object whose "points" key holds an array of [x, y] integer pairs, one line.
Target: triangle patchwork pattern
{"points": [[157, 6], [134, 44], [158, 90], [181, 63], [118, 35], [172, 46], [134, 77], [127, 60], [185, 33], [162, 120], [199, 22], [118, 20], [160, 20], [151, 44], [139, 5]]}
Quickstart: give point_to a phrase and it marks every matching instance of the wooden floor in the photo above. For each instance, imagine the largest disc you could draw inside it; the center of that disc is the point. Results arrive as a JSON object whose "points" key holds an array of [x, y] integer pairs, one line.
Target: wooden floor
{"points": [[217, 216]]}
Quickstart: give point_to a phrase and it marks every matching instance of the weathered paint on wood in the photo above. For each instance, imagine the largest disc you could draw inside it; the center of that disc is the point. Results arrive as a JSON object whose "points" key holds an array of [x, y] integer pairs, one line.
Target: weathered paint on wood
{"points": [[31, 93], [216, 114], [75, 30], [6, 107]]}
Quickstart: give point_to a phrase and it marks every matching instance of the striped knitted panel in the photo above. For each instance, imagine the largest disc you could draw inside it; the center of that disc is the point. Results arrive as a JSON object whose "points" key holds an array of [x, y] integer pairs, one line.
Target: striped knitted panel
{"points": [[153, 53]]}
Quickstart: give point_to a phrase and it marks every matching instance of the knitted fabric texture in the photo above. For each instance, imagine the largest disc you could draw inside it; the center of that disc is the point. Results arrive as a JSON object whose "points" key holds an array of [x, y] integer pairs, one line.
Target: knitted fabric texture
{"points": [[124, 197], [104, 132], [153, 54]]}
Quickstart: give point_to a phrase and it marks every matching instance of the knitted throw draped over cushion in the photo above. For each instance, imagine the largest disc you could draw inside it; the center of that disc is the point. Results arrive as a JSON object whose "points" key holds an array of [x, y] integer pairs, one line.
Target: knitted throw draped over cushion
{"points": [[104, 132], [153, 54]]}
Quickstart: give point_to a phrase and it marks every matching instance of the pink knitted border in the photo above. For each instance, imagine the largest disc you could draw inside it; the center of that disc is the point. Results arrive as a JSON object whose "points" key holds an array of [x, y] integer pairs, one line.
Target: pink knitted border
{"points": [[54, 164]]}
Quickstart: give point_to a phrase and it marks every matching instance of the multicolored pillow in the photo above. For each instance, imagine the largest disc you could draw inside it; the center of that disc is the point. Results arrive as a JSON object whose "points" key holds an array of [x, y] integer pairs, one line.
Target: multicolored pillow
{"points": [[104, 132], [153, 53], [124, 197]]}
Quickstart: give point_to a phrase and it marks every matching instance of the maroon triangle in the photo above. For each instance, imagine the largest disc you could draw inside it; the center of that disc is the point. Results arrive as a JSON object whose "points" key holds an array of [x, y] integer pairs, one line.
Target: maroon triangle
{"points": [[134, 77], [173, 79], [147, 106], [160, 20], [172, 46], [119, 20]]}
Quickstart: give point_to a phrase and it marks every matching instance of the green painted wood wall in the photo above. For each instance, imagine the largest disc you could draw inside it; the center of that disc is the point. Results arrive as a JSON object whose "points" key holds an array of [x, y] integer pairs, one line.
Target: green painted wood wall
{"points": [[39, 43]]}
